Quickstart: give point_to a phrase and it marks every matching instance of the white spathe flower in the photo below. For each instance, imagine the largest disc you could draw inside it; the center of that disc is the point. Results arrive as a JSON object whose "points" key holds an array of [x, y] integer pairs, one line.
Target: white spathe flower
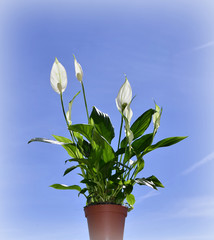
{"points": [[156, 117], [124, 96], [129, 134], [68, 116], [58, 77], [78, 70], [128, 113]]}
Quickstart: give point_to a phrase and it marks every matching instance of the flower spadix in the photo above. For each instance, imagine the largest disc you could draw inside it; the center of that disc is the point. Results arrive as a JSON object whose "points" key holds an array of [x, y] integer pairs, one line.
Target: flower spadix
{"points": [[58, 77], [78, 70], [124, 97]]}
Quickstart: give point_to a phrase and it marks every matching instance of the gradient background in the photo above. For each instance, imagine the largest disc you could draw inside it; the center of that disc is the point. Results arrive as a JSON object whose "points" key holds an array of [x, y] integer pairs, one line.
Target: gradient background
{"points": [[166, 48]]}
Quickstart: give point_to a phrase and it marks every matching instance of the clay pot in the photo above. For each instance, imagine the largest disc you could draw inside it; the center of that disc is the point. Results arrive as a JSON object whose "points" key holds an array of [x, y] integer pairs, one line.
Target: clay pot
{"points": [[106, 221]]}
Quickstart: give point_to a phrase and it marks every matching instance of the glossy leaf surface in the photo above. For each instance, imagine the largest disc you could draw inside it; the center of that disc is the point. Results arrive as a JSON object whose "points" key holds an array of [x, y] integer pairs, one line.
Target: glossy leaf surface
{"points": [[103, 124], [142, 123], [164, 143]]}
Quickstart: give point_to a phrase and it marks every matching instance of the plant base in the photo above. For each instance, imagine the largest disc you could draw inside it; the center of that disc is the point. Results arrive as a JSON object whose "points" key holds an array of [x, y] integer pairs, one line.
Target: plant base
{"points": [[106, 221]]}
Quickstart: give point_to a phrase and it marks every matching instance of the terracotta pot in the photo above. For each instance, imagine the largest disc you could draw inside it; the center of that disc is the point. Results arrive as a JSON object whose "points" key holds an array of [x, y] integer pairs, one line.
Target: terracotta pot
{"points": [[106, 221]]}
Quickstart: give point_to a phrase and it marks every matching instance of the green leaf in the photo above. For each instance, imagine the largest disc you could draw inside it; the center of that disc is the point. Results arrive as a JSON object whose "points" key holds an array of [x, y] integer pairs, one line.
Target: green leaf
{"points": [[70, 147], [83, 191], [120, 151], [86, 147], [130, 199], [65, 187], [142, 123], [142, 143], [117, 176], [84, 129], [128, 155], [89, 182], [155, 181], [144, 181], [71, 169], [124, 143], [106, 169], [128, 189], [164, 143], [79, 160], [140, 166], [100, 147], [120, 197], [103, 124], [152, 182], [45, 140]]}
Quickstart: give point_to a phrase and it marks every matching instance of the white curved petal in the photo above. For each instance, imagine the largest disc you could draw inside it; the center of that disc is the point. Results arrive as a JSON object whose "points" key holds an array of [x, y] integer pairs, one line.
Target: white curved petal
{"points": [[68, 116], [58, 77], [118, 104], [78, 70], [129, 135], [124, 96], [156, 117], [128, 113]]}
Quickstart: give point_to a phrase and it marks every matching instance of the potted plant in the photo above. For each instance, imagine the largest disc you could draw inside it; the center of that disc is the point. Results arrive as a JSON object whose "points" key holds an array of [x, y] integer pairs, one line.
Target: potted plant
{"points": [[108, 174]]}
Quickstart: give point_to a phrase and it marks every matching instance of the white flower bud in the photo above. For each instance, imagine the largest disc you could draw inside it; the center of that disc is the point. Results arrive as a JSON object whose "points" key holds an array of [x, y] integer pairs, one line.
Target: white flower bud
{"points": [[78, 70], [156, 117], [124, 96]]}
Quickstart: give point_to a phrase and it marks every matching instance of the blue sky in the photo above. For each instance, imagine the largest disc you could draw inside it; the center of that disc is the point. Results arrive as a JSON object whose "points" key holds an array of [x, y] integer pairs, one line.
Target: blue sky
{"points": [[167, 51]]}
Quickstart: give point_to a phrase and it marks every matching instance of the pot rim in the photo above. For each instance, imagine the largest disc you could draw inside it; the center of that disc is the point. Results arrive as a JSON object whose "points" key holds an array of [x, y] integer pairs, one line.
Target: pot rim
{"points": [[104, 204], [105, 208]]}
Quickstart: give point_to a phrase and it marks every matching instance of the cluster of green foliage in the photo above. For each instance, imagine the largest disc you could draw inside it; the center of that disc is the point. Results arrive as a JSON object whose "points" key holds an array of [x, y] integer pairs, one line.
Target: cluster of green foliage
{"points": [[109, 176]]}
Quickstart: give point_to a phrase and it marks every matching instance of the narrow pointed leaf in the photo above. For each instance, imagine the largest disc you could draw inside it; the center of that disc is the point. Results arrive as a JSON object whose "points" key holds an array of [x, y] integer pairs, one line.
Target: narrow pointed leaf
{"points": [[142, 143], [142, 123], [70, 169], [164, 143], [83, 191], [155, 181], [144, 181], [65, 187], [79, 160], [47, 141], [140, 166], [152, 182]]}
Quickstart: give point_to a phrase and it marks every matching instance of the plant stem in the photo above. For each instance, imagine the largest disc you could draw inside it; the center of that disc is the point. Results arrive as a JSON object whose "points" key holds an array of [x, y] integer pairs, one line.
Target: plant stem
{"points": [[72, 136], [133, 173], [63, 109], [121, 125], [86, 107]]}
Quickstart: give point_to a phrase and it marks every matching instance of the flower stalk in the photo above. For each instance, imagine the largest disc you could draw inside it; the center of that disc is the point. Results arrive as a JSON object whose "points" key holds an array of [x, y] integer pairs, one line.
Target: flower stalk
{"points": [[86, 107], [63, 110], [121, 126]]}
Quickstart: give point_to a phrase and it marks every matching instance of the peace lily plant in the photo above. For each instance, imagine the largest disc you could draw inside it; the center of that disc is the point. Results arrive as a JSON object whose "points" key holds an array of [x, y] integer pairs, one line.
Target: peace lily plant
{"points": [[108, 174]]}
